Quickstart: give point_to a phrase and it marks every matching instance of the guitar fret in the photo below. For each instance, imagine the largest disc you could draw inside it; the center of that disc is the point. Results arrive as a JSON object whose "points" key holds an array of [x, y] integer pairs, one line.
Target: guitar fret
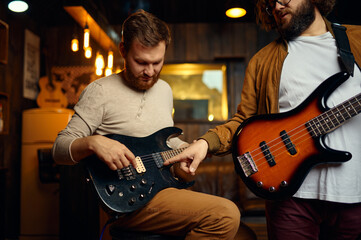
{"points": [[334, 117], [169, 154]]}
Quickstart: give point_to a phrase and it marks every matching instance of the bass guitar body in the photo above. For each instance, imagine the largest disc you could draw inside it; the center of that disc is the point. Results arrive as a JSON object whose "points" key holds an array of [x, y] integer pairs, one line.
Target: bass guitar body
{"points": [[273, 153], [128, 189]]}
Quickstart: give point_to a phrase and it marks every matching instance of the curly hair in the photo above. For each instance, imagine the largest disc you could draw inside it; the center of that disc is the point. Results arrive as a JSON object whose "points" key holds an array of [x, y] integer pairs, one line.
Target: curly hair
{"points": [[268, 22], [146, 28]]}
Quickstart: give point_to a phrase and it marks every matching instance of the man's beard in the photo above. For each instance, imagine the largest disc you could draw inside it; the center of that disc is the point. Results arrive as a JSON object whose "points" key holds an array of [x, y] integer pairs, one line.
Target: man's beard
{"points": [[300, 21], [137, 84]]}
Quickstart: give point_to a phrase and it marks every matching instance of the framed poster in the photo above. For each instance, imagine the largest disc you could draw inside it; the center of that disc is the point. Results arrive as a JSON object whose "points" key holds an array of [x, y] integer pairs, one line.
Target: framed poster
{"points": [[31, 65]]}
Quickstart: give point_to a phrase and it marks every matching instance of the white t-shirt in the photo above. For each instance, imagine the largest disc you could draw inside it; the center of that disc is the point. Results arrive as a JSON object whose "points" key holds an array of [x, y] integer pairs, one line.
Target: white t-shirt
{"points": [[310, 61]]}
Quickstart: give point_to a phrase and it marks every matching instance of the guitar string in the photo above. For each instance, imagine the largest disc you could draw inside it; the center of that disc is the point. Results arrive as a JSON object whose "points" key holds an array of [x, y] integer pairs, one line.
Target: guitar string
{"points": [[322, 116], [303, 124], [325, 113], [149, 158], [279, 159]]}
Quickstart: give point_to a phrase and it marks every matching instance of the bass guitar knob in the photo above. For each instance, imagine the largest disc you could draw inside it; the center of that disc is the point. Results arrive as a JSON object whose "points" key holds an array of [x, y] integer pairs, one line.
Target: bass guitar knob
{"points": [[143, 182], [132, 201], [259, 184], [284, 184], [133, 187], [272, 189]]}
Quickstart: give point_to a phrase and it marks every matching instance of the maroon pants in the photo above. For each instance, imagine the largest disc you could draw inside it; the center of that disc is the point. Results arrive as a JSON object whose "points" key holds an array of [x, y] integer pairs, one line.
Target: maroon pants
{"points": [[308, 219]]}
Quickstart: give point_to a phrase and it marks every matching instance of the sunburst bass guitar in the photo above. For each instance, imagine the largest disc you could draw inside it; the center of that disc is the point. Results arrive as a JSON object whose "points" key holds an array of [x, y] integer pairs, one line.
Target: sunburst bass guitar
{"points": [[128, 189], [273, 153]]}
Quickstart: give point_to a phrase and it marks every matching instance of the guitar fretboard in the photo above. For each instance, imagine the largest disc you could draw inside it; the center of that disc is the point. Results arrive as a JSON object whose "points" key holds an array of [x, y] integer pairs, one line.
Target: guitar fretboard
{"points": [[335, 117], [161, 157]]}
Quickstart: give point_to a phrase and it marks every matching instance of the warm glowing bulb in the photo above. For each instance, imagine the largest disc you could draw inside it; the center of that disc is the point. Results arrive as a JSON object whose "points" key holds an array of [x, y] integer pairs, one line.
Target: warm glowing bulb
{"points": [[236, 12], [108, 71], [99, 61], [74, 45], [210, 117], [110, 59], [86, 37], [99, 71], [88, 52]]}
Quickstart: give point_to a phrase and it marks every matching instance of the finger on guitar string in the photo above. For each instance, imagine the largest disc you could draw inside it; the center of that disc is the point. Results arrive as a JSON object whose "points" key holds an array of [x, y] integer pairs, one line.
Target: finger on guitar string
{"points": [[193, 156]]}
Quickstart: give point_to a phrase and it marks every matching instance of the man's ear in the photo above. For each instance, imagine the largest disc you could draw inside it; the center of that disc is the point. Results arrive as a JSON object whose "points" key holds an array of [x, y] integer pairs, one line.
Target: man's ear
{"points": [[122, 49]]}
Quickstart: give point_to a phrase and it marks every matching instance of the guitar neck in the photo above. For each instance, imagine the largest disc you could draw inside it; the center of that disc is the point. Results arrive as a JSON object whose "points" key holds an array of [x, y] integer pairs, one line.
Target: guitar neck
{"points": [[335, 117], [160, 157], [171, 153]]}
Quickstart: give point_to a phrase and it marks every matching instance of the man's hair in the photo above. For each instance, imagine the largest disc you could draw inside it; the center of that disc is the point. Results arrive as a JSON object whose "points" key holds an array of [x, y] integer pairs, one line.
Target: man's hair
{"points": [[146, 28], [267, 22]]}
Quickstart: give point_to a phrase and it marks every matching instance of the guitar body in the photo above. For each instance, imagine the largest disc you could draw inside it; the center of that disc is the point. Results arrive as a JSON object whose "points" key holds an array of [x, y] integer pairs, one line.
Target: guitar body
{"points": [[279, 165], [125, 190]]}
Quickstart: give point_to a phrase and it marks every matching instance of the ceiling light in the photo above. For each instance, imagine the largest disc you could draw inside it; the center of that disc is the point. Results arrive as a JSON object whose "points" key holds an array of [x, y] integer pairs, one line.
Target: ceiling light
{"points": [[18, 6], [236, 8], [75, 44], [236, 12]]}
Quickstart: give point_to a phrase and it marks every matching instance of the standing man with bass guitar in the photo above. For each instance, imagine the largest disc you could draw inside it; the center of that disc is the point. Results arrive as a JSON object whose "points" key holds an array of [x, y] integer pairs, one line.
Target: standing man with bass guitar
{"points": [[327, 205], [136, 103]]}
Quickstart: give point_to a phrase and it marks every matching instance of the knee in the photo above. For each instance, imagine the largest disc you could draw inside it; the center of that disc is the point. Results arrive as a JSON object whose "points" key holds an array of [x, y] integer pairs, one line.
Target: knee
{"points": [[227, 219], [230, 215]]}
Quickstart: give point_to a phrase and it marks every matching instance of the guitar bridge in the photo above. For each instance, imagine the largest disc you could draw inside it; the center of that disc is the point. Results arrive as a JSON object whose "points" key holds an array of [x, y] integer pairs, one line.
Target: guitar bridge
{"points": [[247, 163], [127, 172]]}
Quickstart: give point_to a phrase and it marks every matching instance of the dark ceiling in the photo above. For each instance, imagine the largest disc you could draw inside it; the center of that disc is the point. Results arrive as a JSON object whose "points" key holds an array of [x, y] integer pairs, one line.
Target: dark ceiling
{"points": [[51, 12]]}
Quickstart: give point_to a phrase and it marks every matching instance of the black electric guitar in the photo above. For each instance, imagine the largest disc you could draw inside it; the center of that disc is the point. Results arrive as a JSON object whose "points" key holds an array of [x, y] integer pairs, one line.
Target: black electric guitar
{"points": [[127, 189], [273, 153]]}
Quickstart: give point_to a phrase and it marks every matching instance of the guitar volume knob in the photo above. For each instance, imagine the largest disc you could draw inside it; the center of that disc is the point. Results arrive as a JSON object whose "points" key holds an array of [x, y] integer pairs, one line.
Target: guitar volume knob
{"points": [[272, 189], [259, 184], [141, 196], [132, 201], [284, 184], [143, 182], [133, 187]]}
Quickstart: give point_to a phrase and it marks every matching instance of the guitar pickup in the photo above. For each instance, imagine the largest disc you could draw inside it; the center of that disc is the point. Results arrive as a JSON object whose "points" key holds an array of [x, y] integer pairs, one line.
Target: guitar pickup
{"points": [[140, 166], [247, 163], [287, 141], [267, 153]]}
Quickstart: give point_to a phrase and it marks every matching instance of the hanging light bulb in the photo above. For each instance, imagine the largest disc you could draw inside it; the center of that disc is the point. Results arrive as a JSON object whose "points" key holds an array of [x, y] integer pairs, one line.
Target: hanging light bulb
{"points": [[86, 36], [108, 70], [75, 44], [99, 64], [110, 59], [88, 52]]}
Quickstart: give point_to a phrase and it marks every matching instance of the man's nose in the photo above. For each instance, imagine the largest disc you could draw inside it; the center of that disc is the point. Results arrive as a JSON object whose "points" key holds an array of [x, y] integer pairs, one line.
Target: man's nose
{"points": [[149, 70]]}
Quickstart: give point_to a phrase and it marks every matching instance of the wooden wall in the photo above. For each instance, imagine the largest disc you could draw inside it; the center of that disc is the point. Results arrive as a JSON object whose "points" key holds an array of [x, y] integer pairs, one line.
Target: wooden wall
{"points": [[232, 44]]}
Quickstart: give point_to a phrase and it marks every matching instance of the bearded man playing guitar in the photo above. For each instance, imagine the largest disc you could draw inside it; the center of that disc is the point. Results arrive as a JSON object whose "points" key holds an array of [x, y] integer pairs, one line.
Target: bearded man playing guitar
{"points": [[136, 104], [279, 78]]}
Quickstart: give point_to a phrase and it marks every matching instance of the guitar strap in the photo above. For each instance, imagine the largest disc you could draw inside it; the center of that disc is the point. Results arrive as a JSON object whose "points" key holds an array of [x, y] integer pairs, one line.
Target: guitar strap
{"points": [[343, 46]]}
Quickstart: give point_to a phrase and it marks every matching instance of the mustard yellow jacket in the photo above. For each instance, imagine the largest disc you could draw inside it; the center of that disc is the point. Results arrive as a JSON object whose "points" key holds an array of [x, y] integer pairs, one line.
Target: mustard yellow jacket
{"points": [[261, 85]]}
